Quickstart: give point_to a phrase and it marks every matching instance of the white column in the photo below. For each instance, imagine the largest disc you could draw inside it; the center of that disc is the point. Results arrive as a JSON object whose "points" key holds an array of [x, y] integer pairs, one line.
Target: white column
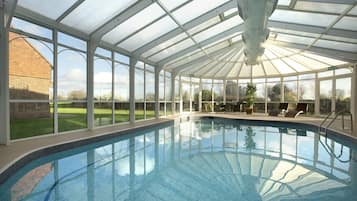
{"points": [[354, 99], [55, 81], [317, 96], [191, 94], [132, 89], [212, 96], [181, 101], [333, 100], [173, 89], [113, 88], [266, 96], [90, 84], [224, 91], [157, 87], [4, 79], [200, 96]]}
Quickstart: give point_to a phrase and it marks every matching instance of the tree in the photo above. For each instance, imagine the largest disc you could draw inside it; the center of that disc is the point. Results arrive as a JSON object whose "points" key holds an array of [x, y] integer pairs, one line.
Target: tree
{"points": [[77, 95]]}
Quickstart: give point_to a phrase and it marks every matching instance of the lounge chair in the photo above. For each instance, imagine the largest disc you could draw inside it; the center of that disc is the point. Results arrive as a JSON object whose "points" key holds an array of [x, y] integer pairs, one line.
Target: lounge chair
{"points": [[301, 108], [282, 108]]}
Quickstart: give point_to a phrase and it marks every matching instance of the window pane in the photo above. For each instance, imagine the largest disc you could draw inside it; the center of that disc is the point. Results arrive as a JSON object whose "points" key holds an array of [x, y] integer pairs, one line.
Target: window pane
{"points": [[72, 116], [307, 90], [303, 17], [290, 91], [343, 94], [150, 92], [30, 119], [30, 68], [31, 28], [274, 91], [186, 93], [71, 41], [231, 90], [103, 113], [72, 75], [139, 93], [325, 96]]}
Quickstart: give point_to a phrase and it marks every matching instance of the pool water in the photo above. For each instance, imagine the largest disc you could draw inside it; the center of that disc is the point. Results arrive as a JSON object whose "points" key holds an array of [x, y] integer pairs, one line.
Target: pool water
{"points": [[203, 159]]}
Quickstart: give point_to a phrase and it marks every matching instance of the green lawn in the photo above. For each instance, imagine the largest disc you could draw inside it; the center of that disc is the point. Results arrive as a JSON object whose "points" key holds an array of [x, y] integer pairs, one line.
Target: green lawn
{"points": [[70, 118]]}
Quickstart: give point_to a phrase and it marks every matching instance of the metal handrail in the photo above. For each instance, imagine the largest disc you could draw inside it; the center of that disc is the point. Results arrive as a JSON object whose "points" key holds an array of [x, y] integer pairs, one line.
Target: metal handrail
{"points": [[329, 149]]}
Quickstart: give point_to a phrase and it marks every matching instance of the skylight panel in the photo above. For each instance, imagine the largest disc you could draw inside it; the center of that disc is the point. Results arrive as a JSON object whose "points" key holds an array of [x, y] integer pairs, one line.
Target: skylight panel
{"points": [[165, 44], [246, 71], [330, 61], [282, 67], [269, 68], [172, 4], [284, 2], [219, 28], [322, 20], [308, 62], [134, 23], [258, 71], [347, 23], [336, 45], [320, 7], [195, 9], [294, 39], [204, 25], [50, 9], [171, 50], [295, 65], [148, 34], [353, 11], [234, 71], [91, 14]]}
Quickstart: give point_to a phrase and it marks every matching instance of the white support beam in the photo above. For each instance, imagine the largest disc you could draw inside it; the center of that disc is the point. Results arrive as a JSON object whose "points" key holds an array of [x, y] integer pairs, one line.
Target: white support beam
{"points": [[90, 84], [69, 10], [157, 88], [335, 54], [4, 78], [173, 89], [132, 64], [211, 40], [195, 22], [354, 99], [313, 29], [120, 18]]}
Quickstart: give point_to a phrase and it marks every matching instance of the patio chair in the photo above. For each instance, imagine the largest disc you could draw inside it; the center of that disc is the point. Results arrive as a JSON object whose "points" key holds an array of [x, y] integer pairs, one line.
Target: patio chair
{"points": [[282, 108], [301, 108]]}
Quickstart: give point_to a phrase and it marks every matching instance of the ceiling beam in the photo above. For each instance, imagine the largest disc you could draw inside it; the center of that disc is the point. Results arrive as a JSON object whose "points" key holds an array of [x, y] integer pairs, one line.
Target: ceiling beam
{"points": [[69, 10], [335, 54], [208, 41], [313, 29], [333, 1], [120, 18], [10, 6], [197, 21]]}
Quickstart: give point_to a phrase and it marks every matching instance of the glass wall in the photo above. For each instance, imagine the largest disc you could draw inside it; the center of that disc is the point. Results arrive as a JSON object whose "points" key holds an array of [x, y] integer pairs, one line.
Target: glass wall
{"points": [[343, 94], [231, 95], [149, 92], [259, 105], [162, 93], [139, 91], [206, 95], [121, 88], [273, 93], [218, 93], [168, 91]]}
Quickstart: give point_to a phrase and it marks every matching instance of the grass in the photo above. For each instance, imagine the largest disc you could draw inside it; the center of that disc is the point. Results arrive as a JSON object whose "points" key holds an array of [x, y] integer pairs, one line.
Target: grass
{"points": [[70, 118]]}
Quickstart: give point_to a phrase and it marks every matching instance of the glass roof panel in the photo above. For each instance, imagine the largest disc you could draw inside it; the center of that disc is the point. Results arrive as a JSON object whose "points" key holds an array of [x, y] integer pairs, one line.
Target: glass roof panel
{"points": [[204, 25], [165, 44], [93, 13], [32, 28], [219, 28], [308, 62], [298, 17], [327, 60], [195, 9], [134, 23], [230, 12], [284, 2], [172, 4], [320, 7], [172, 50], [295, 65], [148, 34], [233, 73], [282, 67], [269, 54], [258, 71], [295, 39], [217, 47], [336, 45], [50, 9], [353, 11], [347, 23], [294, 32], [246, 71], [227, 68], [269, 68], [347, 40]]}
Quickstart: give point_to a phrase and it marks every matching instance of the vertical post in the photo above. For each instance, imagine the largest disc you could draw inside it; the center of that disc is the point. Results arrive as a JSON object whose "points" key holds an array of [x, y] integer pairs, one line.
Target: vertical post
{"points": [[266, 96], [165, 93], [317, 96], [144, 91], [113, 88], [90, 84], [282, 98], [4, 79], [212, 96], [55, 81], [157, 88], [173, 88], [224, 90], [191, 94], [354, 99], [333, 100], [132, 64], [181, 101], [200, 96]]}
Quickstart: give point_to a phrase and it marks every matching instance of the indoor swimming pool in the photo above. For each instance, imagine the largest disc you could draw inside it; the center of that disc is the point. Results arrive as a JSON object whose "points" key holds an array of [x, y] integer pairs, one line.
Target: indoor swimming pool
{"points": [[198, 159]]}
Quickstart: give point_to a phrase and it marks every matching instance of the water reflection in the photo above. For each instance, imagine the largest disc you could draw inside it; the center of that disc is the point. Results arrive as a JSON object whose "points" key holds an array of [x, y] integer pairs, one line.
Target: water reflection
{"points": [[207, 159]]}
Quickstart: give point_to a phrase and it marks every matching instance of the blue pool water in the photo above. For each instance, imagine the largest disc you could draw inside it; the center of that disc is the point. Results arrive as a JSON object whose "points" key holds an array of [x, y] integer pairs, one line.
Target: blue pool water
{"points": [[204, 159]]}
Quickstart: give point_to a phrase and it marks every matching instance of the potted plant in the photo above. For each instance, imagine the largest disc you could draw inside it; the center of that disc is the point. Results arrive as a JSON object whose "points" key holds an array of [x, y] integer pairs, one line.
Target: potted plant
{"points": [[250, 97]]}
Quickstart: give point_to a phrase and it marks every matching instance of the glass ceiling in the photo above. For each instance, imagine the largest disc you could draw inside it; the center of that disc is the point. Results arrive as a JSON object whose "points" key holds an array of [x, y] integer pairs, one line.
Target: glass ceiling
{"points": [[203, 37]]}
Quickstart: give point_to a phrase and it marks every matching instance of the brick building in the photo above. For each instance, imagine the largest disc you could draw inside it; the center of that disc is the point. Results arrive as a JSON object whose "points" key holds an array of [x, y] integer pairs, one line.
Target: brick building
{"points": [[29, 79]]}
